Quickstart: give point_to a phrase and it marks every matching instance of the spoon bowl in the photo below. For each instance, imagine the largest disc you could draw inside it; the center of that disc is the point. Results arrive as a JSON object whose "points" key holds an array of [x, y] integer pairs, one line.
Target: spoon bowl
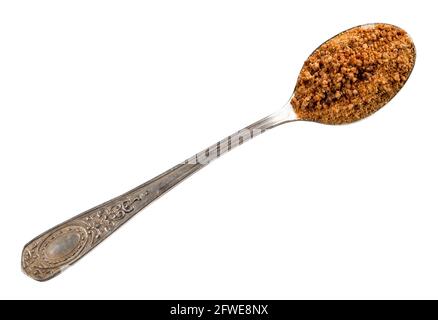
{"points": [[354, 74]]}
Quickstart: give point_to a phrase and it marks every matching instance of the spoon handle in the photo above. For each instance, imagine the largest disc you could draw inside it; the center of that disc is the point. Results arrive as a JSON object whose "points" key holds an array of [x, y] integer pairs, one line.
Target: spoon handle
{"points": [[56, 249]]}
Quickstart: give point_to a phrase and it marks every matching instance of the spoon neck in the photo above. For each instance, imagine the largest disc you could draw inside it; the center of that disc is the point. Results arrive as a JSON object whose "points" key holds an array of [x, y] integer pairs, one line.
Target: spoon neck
{"points": [[284, 115]]}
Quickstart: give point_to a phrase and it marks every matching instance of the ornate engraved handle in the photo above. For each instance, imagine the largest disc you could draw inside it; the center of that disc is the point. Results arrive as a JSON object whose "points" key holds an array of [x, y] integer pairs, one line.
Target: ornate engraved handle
{"points": [[53, 251], [58, 248]]}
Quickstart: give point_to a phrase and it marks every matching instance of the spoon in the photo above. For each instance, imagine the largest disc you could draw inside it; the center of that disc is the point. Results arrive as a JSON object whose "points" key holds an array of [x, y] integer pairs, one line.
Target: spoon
{"points": [[346, 79]]}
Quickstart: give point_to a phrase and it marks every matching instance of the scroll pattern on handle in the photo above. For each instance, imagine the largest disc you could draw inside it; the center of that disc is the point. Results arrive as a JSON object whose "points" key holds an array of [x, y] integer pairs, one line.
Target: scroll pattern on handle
{"points": [[52, 252]]}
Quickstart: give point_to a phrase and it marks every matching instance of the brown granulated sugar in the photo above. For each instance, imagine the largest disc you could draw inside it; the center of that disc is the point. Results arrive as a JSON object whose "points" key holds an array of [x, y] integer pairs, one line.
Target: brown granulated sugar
{"points": [[354, 74]]}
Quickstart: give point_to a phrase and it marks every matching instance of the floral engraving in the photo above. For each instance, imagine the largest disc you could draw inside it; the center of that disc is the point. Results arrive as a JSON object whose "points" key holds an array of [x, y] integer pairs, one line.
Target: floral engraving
{"points": [[102, 222]]}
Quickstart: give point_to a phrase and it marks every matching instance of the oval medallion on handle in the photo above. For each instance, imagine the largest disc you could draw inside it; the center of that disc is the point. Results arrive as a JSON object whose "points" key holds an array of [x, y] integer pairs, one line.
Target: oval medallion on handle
{"points": [[64, 245]]}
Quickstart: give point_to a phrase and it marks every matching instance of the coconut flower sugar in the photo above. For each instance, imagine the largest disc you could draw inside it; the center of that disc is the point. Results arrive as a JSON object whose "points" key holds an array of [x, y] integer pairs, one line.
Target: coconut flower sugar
{"points": [[353, 74]]}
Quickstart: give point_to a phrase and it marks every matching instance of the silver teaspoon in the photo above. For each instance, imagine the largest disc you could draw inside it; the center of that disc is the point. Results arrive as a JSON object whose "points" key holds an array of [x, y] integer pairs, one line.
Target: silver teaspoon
{"points": [[329, 90]]}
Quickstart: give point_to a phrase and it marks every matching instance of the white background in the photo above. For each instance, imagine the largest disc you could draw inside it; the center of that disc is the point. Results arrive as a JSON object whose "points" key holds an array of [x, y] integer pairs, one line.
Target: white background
{"points": [[97, 97]]}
